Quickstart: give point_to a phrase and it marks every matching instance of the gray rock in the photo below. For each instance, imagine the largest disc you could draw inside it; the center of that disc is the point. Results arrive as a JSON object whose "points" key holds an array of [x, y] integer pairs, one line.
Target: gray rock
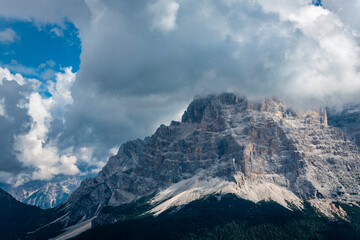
{"points": [[45, 194], [225, 136]]}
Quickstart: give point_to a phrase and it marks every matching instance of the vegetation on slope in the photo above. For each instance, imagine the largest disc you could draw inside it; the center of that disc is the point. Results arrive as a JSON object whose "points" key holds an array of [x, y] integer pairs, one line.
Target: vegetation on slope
{"points": [[231, 218]]}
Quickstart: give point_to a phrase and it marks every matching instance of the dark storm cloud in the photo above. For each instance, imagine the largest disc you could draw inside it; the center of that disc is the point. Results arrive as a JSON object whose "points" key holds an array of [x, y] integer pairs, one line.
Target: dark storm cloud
{"points": [[12, 123], [123, 56], [132, 77]]}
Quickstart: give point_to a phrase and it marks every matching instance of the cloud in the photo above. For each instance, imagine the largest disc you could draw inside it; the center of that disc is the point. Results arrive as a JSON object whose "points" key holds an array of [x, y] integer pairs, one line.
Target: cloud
{"points": [[324, 65], [2, 107], [57, 31], [164, 14], [8, 36], [5, 74], [16, 67], [33, 148], [13, 121], [41, 12], [347, 11], [142, 62], [25, 119], [259, 48]]}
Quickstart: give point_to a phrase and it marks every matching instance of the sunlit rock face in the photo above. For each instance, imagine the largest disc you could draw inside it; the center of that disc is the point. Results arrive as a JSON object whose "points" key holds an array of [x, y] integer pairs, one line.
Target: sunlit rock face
{"points": [[227, 144]]}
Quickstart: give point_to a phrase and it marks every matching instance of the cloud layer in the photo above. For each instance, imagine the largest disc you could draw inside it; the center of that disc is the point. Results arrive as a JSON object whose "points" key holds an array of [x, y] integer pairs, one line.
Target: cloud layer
{"points": [[143, 61]]}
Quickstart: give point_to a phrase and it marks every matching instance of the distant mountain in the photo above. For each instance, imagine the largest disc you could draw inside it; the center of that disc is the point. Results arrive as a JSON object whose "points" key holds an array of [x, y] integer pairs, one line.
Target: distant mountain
{"points": [[225, 144], [45, 194], [16, 218]]}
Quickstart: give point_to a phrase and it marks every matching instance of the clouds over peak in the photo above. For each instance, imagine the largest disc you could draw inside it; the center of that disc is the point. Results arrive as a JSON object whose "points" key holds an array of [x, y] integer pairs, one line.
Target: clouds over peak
{"points": [[142, 62]]}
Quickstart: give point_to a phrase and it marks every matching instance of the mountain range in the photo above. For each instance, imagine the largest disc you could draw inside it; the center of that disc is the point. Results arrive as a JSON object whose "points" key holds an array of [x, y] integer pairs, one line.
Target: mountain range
{"points": [[45, 194], [257, 159]]}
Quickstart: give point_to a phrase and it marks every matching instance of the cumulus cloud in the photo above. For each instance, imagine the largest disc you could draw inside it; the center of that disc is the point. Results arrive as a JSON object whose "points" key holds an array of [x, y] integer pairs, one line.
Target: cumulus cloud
{"points": [[5, 74], [25, 119], [32, 148], [324, 65], [142, 62], [8, 36]]}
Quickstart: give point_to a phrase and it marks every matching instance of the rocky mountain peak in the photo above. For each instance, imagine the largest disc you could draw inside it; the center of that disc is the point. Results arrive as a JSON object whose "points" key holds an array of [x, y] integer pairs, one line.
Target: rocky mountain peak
{"points": [[46, 194], [274, 106], [227, 144], [209, 106]]}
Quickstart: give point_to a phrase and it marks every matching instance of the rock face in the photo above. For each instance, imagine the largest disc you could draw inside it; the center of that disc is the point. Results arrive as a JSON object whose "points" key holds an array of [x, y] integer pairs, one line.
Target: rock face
{"points": [[227, 144]]}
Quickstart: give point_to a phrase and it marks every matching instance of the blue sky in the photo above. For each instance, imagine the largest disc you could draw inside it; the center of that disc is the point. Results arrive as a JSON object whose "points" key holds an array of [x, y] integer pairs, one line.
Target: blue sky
{"points": [[317, 2], [36, 45]]}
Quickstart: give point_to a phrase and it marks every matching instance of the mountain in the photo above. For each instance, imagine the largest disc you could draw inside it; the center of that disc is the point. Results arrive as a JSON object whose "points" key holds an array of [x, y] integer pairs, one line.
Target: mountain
{"points": [[16, 218], [45, 194], [224, 144]]}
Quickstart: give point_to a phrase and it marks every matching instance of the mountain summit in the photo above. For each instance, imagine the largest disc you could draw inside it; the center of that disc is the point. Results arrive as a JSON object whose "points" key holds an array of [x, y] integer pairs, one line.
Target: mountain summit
{"points": [[226, 144]]}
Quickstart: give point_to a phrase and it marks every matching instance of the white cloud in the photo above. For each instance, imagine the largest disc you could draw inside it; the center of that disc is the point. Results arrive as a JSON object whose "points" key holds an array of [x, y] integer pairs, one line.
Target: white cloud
{"points": [[60, 91], [33, 148], [324, 65], [114, 150], [8, 36], [164, 14], [348, 12], [5, 73]]}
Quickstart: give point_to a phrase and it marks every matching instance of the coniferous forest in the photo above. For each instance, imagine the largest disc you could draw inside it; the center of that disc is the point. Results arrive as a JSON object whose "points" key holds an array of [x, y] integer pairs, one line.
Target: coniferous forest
{"points": [[230, 218]]}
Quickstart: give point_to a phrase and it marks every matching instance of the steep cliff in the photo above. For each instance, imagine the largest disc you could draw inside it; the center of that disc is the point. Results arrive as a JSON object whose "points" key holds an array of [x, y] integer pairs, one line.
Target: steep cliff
{"points": [[227, 144]]}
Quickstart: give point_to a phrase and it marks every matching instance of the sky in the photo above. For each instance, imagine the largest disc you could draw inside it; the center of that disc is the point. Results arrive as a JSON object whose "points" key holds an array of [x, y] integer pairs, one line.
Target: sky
{"points": [[79, 78]]}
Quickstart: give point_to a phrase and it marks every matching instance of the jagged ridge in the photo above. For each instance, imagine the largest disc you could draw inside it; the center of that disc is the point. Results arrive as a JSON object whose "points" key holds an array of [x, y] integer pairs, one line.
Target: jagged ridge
{"points": [[226, 144]]}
